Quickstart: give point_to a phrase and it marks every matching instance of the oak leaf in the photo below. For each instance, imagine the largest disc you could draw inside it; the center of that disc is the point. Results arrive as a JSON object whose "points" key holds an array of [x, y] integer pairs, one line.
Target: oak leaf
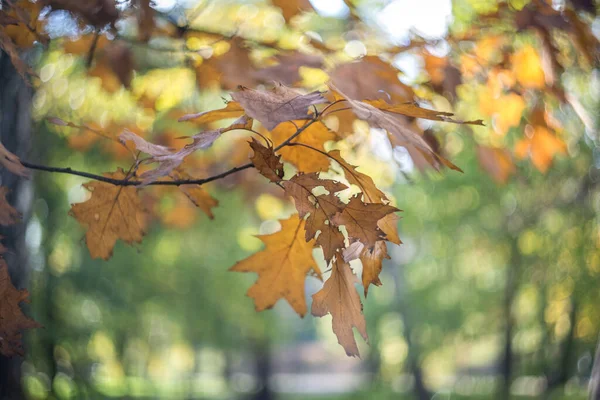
{"points": [[372, 261], [360, 220], [12, 319], [169, 160], [400, 133], [339, 298], [304, 158], [321, 209], [196, 194], [272, 107], [371, 194], [8, 214], [266, 162], [111, 213], [413, 110], [232, 109], [282, 267]]}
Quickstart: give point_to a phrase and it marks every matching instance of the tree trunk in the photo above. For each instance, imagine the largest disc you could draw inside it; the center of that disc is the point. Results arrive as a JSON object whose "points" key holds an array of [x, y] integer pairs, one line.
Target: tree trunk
{"points": [[15, 134]]}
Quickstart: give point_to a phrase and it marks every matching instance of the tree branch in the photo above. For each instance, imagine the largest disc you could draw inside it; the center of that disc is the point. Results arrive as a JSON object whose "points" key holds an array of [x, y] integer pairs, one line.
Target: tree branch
{"points": [[129, 182]]}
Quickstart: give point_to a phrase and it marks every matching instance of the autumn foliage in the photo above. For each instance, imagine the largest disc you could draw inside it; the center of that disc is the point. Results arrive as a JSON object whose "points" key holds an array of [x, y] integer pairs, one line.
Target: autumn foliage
{"points": [[293, 129]]}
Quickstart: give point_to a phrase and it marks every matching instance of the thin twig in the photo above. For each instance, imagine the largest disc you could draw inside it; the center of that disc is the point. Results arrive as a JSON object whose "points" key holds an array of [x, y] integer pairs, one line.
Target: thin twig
{"points": [[128, 182]]}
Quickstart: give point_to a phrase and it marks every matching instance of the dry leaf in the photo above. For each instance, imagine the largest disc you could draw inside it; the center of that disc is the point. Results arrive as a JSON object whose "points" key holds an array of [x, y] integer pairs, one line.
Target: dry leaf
{"points": [[400, 133], [196, 194], [272, 107], [371, 193], [111, 213], [12, 319], [339, 298], [266, 162], [413, 110], [169, 160], [303, 158], [282, 267], [372, 260], [8, 214], [321, 209], [360, 220], [232, 109]]}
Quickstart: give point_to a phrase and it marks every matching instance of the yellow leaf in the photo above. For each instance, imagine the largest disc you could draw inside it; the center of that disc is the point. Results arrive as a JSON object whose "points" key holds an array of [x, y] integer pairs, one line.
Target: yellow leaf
{"points": [[303, 158], [282, 267], [527, 67]]}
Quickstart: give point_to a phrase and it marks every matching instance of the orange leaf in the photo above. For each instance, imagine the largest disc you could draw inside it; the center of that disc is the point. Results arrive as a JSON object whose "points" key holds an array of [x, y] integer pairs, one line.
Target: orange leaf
{"points": [[303, 158], [527, 67], [340, 299], [232, 109], [111, 213], [541, 146], [282, 267], [372, 260]]}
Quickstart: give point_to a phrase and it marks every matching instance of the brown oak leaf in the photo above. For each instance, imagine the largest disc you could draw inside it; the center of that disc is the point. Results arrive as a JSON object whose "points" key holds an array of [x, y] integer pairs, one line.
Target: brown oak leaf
{"points": [[272, 107], [321, 209], [111, 213], [8, 214], [360, 220], [371, 194], [339, 298], [266, 162], [282, 267], [12, 319]]}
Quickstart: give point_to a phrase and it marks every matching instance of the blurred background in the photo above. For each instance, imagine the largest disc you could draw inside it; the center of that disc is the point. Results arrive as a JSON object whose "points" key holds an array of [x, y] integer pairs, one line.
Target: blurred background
{"points": [[495, 291]]}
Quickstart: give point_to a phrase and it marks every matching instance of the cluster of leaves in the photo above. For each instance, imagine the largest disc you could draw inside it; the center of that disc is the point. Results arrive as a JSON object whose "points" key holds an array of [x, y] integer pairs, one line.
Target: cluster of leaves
{"points": [[293, 126]]}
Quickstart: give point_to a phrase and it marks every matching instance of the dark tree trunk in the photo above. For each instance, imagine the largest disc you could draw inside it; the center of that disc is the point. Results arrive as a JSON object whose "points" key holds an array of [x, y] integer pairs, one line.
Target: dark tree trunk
{"points": [[262, 354], [420, 389], [15, 134]]}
